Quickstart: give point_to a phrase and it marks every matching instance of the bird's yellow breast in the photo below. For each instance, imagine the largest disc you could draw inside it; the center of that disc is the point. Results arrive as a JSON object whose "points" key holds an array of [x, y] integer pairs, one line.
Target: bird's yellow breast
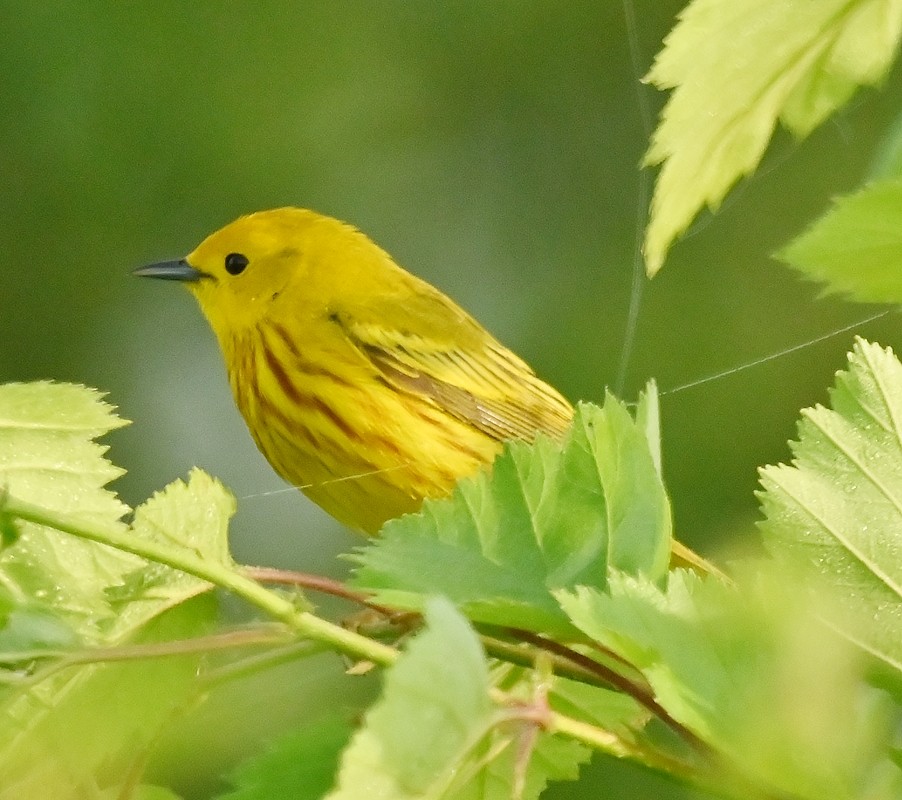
{"points": [[363, 451]]}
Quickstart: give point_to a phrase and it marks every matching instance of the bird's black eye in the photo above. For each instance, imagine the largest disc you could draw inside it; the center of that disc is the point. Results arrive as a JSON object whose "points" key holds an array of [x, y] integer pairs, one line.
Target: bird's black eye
{"points": [[235, 263]]}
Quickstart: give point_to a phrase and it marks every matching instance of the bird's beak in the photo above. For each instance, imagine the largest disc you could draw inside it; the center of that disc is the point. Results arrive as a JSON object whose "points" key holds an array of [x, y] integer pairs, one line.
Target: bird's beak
{"points": [[171, 271]]}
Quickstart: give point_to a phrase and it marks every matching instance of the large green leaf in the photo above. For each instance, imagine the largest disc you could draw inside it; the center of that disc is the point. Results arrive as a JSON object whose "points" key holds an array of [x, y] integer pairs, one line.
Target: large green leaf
{"points": [[48, 457], [60, 729], [47, 450], [51, 729], [738, 67], [546, 517], [837, 510]]}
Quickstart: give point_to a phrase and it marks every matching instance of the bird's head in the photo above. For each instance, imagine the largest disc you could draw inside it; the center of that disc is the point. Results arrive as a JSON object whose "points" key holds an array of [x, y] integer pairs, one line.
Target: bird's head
{"points": [[288, 255]]}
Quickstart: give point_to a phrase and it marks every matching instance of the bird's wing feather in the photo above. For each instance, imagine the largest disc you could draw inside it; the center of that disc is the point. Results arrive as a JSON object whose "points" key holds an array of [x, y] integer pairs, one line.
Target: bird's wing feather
{"points": [[459, 367]]}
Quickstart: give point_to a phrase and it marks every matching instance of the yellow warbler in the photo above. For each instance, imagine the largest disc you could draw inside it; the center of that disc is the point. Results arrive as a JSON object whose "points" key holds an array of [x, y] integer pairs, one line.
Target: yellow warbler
{"points": [[363, 385]]}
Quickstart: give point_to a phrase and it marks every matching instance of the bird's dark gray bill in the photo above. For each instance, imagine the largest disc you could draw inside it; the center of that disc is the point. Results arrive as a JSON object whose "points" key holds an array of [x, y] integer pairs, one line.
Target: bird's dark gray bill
{"points": [[170, 271]]}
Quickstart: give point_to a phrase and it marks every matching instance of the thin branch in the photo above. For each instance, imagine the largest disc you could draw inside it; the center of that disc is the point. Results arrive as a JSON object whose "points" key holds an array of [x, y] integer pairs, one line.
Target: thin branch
{"points": [[640, 693], [223, 575], [304, 580]]}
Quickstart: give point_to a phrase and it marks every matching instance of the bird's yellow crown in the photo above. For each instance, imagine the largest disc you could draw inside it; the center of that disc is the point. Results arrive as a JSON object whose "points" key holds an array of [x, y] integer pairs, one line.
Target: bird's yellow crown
{"points": [[287, 256]]}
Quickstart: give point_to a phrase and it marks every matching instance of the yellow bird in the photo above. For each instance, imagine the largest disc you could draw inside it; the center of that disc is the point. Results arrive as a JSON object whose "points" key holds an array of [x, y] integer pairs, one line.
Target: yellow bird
{"points": [[362, 385]]}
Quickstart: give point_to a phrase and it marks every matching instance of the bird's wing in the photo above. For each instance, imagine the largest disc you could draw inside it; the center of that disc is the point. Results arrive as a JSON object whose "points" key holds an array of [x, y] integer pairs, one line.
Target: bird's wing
{"points": [[435, 350]]}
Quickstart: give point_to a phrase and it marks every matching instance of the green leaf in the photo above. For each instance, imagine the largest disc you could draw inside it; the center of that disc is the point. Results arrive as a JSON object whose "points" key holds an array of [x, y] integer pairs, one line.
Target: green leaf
{"points": [[27, 627], [666, 636], [548, 516], [48, 457], [856, 247], [551, 758], [300, 765], [754, 675], [837, 511], [736, 69], [648, 419], [101, 711], [434, 711], [88, 724], [194, 515], [887, 160], [608, 709], [58, 728], [434, 734], [9, 529]]}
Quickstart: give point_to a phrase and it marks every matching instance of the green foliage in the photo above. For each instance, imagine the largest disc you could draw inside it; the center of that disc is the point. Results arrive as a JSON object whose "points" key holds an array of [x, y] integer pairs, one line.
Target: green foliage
{"points": [[736, 69], [856, 247], [748, 670], [71, 723], [30, 627], [548, 517], [436, 734], [837, 511], [48, 455], [668, 636], [434, 710], [757, 687], [142, 792], [192, 516], [62, 592]]}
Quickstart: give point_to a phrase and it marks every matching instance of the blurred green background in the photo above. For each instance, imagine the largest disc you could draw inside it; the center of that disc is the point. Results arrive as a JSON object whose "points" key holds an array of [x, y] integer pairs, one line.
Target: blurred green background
{"points": [[493, 149]]}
